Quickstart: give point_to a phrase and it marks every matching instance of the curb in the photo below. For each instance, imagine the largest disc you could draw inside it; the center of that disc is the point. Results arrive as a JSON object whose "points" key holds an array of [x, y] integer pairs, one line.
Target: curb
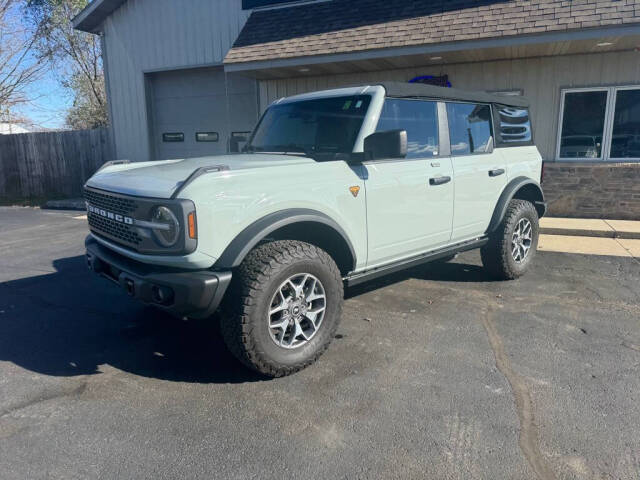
{"points": [[68, 204], [590, 233]]}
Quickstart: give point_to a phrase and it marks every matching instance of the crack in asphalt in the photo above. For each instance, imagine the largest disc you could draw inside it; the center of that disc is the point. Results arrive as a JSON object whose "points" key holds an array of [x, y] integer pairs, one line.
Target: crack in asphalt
{"points": [[44, 397], [528, 439]]}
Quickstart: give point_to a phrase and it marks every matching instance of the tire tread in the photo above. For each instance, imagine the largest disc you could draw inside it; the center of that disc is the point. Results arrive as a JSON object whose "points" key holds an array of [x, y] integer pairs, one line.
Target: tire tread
{"points": [[495, 254], [248, 281]]}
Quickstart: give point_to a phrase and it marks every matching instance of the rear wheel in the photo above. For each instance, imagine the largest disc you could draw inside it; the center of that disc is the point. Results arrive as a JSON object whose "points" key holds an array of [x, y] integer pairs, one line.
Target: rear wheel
{"points": [[513, 245], [284, 306]]}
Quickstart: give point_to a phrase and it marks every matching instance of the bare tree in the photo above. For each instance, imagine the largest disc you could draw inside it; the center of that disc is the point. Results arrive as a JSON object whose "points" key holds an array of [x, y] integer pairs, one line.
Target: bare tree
{"points": [[19, 68], [76, 57]]}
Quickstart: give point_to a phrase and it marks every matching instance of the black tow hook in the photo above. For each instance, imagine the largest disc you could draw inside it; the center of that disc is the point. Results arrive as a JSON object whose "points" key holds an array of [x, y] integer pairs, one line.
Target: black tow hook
{"points": [[129, 287], [93, 263]]}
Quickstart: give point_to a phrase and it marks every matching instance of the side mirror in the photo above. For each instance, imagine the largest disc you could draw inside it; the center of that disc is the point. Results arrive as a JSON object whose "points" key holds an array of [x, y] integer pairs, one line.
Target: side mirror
{"points": [[238, 140], [388, 144]]}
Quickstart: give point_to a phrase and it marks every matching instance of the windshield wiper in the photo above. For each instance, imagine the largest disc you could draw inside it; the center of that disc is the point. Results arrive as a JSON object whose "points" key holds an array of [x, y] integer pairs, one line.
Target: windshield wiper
{"points": [[290, 149]]}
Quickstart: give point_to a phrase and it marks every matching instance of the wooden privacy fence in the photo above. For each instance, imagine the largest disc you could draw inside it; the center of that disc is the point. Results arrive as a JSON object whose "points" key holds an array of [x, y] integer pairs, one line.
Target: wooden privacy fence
{"points": [[51, 164]]}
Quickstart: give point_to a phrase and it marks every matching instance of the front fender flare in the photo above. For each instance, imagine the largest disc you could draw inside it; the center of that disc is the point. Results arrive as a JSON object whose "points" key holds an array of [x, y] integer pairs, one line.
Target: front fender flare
{"points": [[248, 238], [508, 194]]}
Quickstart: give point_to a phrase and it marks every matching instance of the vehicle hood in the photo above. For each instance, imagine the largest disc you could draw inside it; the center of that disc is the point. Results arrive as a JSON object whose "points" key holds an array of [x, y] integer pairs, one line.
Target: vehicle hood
{"points": [[160, 179]]}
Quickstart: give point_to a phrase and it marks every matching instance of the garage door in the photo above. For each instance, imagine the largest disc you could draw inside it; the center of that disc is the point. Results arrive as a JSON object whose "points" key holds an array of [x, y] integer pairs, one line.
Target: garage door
{"points": [[193, 112]]}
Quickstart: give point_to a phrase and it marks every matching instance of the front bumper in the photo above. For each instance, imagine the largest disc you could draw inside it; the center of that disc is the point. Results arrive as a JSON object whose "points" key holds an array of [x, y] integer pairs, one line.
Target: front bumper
{"points": [[183, 293]]}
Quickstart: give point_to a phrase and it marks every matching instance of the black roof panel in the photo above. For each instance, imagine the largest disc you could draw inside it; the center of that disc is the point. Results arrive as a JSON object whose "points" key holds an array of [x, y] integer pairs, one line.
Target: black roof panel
{"points": [[420, 90]]}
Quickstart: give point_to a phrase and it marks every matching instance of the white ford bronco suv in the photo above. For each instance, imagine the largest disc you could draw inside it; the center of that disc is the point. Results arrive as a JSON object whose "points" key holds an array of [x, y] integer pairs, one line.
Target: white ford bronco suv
{"points": [[333, 188]]}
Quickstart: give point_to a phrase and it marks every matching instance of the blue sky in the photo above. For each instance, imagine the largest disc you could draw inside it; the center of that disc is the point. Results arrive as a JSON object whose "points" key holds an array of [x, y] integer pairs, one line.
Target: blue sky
{"points": [[49, 102]]}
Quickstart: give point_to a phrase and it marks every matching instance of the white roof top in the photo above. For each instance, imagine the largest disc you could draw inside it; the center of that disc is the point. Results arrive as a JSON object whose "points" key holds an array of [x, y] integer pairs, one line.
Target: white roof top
{"points": [[9, 128]]}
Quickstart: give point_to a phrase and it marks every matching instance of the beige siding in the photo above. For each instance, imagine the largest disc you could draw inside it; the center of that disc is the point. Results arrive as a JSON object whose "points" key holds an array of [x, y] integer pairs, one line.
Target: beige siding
{"points": [[541, 79], [147, 35]]}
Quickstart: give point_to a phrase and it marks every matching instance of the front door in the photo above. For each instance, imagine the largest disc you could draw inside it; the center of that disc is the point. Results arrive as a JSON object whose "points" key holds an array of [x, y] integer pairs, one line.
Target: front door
{"points": [[480, 172], [409, 200]]}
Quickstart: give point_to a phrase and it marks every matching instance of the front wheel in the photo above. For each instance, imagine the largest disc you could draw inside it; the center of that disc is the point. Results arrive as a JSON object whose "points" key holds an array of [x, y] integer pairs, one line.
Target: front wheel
{"points": [[284, 306], [514, 243]]}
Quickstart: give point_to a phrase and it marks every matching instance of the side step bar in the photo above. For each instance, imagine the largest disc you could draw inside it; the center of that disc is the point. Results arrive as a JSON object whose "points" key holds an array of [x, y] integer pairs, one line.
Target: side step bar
{"points": [[361, 277]]}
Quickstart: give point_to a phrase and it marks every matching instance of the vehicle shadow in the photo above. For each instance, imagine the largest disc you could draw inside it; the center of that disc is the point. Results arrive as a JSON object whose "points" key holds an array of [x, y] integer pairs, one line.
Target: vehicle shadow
{"points": [[71, 322], [459, 270]]}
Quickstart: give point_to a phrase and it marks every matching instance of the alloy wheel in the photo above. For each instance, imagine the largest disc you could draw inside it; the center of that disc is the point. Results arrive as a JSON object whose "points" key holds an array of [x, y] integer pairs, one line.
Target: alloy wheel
{"points": [[296, 310], [521, 240]]}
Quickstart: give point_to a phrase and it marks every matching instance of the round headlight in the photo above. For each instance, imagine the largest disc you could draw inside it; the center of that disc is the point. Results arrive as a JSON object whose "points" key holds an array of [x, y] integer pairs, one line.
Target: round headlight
{"points": [[168, 228]]}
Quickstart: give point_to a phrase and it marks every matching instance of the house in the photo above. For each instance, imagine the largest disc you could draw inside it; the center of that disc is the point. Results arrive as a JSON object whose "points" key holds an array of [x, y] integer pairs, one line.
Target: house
{"points": [[8, 128], [191, 77]]}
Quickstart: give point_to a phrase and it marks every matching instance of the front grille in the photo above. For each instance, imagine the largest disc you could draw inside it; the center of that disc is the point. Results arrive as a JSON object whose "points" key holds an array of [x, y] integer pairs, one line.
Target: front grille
{"points": [[120, 231], [112, 203], [108, 226]]}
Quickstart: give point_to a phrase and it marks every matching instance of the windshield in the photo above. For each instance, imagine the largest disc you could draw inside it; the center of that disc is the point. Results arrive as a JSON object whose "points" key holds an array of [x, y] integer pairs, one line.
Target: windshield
{"points": [[321, 126]]}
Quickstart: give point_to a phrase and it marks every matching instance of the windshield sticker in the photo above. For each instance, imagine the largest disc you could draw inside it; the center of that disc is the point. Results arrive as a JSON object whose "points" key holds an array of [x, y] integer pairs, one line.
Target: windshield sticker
{"points": [[347, 105], [358, 103]]}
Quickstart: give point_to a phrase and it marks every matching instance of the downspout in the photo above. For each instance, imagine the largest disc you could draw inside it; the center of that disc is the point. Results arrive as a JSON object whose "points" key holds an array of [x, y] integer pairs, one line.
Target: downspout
{"points": [[107, 89]]}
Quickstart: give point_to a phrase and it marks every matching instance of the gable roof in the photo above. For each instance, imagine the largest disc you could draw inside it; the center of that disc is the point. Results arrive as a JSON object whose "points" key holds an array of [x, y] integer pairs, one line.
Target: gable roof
{"points": [[92, 16], [345, 26]]}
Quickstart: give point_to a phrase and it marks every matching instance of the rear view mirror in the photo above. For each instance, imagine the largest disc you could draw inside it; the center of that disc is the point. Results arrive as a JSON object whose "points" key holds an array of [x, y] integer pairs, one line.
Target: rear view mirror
{"points": [[388, 144]]}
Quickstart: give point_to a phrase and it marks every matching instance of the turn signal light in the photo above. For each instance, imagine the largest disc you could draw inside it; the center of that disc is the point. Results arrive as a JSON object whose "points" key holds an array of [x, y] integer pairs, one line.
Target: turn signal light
{"points": [[191, 218]]}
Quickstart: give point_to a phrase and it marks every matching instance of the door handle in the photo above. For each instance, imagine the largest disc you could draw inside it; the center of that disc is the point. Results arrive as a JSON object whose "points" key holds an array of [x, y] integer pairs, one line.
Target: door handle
{"points": [[439, 180], [496, 172]]}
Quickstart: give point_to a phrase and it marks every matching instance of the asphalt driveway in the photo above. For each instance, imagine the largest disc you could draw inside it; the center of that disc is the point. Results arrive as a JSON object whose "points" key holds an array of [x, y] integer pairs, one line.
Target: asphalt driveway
{"points": [[436, 373]]}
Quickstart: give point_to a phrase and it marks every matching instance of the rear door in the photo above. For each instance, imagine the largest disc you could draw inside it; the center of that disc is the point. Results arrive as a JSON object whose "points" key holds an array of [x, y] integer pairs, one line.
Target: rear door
{"points": [[409, 200], [479, 170]]}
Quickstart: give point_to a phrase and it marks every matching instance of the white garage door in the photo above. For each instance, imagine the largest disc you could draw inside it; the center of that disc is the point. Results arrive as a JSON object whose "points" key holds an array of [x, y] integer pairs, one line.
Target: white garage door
{"points": [[193, 113]]}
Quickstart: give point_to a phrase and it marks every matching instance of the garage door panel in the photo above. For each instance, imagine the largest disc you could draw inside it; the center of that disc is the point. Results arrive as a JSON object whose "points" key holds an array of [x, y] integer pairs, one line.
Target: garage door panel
{"points": [[238, 114], [188, 83], [237, 84], [191, 101], [191, 111]]}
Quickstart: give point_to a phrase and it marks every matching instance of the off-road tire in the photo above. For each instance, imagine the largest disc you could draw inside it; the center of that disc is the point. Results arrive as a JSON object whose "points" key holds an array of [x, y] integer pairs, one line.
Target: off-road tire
{"points": [[496, 255], [244, 321]]}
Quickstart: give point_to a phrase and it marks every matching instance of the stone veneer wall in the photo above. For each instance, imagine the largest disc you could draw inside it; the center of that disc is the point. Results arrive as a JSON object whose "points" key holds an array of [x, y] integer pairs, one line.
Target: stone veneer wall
{"points": [[593, 190]]}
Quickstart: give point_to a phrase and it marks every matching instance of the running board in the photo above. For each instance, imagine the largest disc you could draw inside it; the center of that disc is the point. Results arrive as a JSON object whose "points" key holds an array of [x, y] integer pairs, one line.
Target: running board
{"points": [[367, 275]]}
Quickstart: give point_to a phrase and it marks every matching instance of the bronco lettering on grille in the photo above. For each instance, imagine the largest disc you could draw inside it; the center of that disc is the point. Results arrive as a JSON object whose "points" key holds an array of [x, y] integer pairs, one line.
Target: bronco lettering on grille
{"points": [[110, 215]]}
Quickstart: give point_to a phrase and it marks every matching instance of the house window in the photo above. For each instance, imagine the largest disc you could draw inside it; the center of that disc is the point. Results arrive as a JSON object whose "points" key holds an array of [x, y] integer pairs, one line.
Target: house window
{"points": [[582, 130], [600, 124], [469, 128], [420, 120], [625, 132]]}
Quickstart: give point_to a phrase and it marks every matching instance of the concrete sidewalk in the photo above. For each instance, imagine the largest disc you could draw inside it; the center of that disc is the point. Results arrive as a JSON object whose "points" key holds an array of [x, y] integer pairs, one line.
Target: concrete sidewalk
{"points": [[586, 227]]}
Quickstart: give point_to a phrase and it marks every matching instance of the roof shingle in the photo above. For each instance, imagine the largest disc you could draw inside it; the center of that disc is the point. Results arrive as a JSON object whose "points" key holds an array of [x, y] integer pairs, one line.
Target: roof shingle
{"points": [[342, 26]]}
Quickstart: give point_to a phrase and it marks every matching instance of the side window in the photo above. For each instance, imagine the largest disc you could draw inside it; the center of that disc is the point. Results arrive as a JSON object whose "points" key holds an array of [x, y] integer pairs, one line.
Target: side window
{"points": [[469, 128], [515, 124], [419, 118]]}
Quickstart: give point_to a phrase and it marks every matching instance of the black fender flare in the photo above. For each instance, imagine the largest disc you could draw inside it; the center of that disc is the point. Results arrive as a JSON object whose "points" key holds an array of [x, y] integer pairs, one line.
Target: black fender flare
{"points": [[507, 195], [248, 238]]}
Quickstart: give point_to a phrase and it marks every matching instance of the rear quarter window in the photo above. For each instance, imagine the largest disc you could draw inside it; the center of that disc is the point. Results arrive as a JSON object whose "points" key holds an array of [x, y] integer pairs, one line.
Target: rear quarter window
{"points": [[513, 126]]}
